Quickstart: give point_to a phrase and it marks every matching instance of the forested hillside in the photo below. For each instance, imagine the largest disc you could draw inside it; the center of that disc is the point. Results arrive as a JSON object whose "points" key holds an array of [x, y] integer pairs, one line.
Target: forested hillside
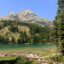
{"points": [[12, 32]]}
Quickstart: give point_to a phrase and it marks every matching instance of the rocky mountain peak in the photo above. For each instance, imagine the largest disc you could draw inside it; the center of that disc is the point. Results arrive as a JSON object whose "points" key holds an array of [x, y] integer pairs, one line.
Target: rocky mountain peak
{"points": [[27, 15], [11, 13], [27, 11]]}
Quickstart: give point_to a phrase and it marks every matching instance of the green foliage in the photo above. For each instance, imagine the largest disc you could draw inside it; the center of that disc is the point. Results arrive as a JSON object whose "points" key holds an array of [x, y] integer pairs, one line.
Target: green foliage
{"points": [[13, 28], [15, 60], [22, 60], [57, 58], [35, 62], [20, 33], [59, 26]]}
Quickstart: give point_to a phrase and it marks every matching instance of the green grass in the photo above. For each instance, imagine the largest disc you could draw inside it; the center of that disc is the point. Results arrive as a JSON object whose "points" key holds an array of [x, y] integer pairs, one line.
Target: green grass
{"points": [[7, 58]]}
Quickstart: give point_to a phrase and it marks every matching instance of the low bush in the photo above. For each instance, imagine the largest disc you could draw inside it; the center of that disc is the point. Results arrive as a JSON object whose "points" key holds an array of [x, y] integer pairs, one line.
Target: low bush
{"points": [[22, 60]]}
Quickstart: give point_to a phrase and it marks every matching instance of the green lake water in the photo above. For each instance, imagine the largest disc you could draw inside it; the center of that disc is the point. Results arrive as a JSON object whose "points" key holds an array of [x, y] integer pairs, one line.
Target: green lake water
{"points": [[42, 49], [2, 47]]}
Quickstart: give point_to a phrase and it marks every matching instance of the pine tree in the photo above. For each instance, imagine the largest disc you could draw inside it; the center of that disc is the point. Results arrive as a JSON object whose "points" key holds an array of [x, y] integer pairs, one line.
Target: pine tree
{"points": [[59, 26]]}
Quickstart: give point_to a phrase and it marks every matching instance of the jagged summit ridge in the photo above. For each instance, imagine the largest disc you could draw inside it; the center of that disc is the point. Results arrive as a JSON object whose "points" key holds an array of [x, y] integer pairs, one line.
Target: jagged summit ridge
{"points": [[22, 16], [27, 15]]}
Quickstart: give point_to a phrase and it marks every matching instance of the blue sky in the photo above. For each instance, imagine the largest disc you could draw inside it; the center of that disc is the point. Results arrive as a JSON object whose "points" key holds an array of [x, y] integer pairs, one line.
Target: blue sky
{"points": [[43, 8]]}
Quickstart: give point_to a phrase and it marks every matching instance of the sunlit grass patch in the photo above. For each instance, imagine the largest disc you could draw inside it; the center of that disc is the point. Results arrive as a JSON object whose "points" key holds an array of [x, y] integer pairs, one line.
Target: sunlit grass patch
{"points": [[8, 58]]}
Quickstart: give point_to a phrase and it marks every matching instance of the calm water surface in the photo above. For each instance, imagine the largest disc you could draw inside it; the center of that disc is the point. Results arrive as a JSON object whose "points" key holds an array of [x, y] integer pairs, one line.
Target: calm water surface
{"points": [[27, 46]]}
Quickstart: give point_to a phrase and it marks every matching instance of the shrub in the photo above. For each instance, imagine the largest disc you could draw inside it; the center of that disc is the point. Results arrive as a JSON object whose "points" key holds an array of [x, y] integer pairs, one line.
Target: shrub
{"points": [[22, 60]]}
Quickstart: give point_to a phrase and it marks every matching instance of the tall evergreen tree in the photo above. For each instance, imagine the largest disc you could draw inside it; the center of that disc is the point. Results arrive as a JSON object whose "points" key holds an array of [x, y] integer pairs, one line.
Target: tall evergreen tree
{"points": [[59, 25]]}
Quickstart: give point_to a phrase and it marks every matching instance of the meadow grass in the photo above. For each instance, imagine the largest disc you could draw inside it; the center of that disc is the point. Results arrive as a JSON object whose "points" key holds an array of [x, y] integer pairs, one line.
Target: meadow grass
{"points": [[8, 58]]}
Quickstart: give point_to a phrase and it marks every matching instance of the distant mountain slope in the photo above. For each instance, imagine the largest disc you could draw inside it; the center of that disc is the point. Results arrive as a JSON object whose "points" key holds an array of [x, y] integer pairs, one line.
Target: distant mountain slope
{"points": [[29, 17]]}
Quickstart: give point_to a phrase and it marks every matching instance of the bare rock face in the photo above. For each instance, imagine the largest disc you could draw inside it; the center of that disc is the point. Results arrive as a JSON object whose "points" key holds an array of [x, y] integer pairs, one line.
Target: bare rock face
{"points": [[27, 15]]}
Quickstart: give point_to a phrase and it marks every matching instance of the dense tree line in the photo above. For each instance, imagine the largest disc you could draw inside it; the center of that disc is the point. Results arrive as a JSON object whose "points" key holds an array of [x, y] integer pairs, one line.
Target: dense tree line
{"points": [[59, 26], [12, 32]]}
